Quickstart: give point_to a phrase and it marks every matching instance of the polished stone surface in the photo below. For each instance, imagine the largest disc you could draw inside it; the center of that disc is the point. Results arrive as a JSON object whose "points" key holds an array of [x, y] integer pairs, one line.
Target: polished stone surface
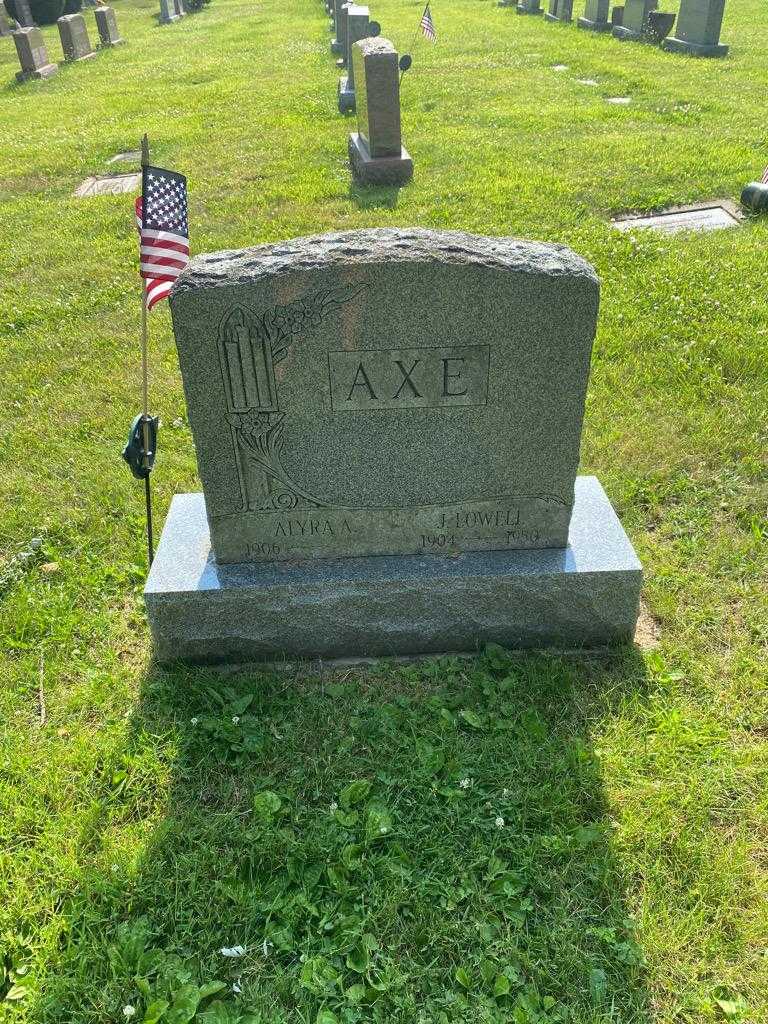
{"points": [[698, 218], [585, 595], [386, 391], [32, 54], [74, 37]]}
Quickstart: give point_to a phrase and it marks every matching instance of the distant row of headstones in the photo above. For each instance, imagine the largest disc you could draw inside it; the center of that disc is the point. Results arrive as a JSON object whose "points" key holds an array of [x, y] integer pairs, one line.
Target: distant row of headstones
{"points": [[698, 23], [370, 87], [75, 43]]}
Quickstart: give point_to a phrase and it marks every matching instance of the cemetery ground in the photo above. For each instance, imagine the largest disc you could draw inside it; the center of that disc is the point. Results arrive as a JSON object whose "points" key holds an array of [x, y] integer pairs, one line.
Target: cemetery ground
{"points": [[527, 838]]}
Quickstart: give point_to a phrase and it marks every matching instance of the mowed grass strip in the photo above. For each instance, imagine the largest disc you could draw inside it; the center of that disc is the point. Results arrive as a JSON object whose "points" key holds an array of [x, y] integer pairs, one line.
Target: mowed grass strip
{"points": [[142, 829]]}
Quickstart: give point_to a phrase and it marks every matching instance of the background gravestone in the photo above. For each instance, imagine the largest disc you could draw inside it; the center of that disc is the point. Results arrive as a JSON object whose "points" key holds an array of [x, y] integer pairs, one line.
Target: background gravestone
{"points": [[634, 25], [596, 16], [5, 25], [358, 21], [106, 23], [529, 7], [339, 43], [376, 152], [698, 29], [560, 10], [74, 37], [168, 11], [33, 56], [24, 14], [386, 466]]}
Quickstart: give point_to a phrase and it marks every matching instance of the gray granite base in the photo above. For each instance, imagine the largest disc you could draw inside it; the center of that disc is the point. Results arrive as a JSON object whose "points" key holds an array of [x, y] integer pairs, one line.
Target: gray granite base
{"points": [[378, 170], [675, 45], [585, 595], [44, 72], [554, 17], [523, 9], [336, 46], [346, 96], [624, 34], [594, 26]]}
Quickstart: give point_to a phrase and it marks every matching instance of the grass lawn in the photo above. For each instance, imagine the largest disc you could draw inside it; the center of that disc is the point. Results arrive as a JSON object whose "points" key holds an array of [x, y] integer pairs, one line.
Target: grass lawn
{"points": [[344, 829]]}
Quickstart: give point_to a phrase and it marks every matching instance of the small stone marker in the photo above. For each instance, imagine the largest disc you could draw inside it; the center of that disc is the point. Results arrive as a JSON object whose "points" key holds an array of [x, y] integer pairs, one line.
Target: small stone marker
{"points": [[376, 152], [388, 468], [595, 16], [529, 7], [700, 217], [74, 38], [358, 21], [634, 24], [107, 185], [33, 56], [619, 101], [698, 29], [559, 10], [106, 23]]}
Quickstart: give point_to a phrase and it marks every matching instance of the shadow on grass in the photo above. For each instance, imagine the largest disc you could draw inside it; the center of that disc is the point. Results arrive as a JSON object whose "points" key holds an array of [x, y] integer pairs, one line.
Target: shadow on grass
{"points": [[465, 875], [372, 197]]}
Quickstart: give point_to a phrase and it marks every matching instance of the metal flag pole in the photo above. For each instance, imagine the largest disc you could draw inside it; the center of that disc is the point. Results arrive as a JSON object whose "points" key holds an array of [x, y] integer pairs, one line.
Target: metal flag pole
{"points": [[145, 383], [406, 60], [140, 450]]}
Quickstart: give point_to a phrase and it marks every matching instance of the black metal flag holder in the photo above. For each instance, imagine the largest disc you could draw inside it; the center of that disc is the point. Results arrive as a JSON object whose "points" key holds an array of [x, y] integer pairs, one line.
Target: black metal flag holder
{"points": [[141, 447]]}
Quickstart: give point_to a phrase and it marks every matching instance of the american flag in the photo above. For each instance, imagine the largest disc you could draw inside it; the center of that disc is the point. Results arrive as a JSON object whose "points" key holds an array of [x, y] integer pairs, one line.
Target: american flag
{"points": [[427, 25], [161, 217], [764, 179]]}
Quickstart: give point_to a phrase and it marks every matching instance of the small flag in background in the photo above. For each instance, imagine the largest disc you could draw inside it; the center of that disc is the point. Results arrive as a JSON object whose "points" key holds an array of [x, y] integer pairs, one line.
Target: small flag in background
{"points": [[427, 25], [764, 179], [161, 217]]}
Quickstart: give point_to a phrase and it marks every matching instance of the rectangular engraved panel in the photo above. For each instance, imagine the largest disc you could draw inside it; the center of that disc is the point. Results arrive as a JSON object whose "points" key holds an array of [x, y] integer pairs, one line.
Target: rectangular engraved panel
{"points": [[419, 378]]}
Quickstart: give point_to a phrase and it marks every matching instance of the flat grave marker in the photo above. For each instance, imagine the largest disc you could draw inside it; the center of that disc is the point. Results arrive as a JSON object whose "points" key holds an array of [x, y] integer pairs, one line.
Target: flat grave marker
{"points": [[107, 185], [698, 217]]}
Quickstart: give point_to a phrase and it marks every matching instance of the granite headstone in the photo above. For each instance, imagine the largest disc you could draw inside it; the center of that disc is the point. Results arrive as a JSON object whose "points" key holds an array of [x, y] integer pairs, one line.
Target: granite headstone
{"points": [[376, 152], [339, 43], [168, 12], [529, 7], [33, 56], [387, 427], [358, 21], [106, 23], [596, 16], [560, 10], [698, 29], [634, 25], [74, 37]]}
